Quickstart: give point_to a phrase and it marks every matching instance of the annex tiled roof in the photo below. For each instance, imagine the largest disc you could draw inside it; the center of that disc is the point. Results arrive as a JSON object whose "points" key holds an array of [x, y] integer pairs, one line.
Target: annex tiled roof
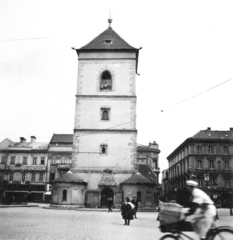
{"points": [[138, 178], [146, 171], [107, 40], [69, 177], [62, 138]]}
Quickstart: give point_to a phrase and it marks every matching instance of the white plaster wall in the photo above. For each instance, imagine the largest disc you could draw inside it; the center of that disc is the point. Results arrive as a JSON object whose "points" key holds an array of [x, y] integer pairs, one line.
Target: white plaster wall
{"points": [[88, 113], [121, 152], [122, 71]]}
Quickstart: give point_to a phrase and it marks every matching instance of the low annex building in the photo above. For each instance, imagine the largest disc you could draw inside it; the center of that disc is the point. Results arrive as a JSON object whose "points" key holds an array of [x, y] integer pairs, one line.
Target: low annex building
{"points": [[68, 190]]}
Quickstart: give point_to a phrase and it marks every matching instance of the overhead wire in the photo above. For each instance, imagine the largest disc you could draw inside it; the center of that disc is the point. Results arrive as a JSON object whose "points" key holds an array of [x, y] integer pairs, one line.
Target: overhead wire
{"points": [[134, 119], [39, 38], [198, 94]]}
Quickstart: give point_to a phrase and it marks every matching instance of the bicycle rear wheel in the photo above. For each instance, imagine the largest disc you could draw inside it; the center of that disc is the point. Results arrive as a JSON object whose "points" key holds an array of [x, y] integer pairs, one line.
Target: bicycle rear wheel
{"points": [[222, 234], [169, 237]]}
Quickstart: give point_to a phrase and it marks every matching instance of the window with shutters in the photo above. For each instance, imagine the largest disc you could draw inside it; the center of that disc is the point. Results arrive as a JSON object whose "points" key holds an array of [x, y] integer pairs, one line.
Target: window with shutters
{"points": [[12, 160], [34, 161], [25, 160]]}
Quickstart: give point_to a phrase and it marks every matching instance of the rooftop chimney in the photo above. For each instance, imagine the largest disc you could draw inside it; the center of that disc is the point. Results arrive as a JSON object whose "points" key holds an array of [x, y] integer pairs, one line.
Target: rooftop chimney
{"points": [[22, 139], [231, 129], [209, 128], [33, 139], [153, 145]]}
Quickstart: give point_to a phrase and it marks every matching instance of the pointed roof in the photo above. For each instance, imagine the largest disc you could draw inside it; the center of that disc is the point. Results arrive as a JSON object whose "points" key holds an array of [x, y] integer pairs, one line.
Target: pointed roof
{"points": [[137, 178], [108, 40], [69, 177]]}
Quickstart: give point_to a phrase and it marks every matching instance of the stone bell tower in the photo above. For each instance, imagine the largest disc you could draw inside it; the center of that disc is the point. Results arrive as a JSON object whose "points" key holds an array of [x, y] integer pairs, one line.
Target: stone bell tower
{"points": [[105, 135]]}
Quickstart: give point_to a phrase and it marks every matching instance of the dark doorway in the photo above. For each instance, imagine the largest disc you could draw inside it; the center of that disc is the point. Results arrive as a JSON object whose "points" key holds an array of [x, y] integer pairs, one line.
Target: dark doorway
{"points": [[105, 194]]}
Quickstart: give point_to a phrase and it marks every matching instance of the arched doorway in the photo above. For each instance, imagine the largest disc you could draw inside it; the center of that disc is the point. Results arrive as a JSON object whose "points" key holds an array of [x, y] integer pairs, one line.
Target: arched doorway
{"points": [[105, 194]]}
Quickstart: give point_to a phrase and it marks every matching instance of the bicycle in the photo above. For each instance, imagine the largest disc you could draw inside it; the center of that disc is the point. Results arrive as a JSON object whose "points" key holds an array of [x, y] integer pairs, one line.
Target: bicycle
{"points": [[176, 232]]}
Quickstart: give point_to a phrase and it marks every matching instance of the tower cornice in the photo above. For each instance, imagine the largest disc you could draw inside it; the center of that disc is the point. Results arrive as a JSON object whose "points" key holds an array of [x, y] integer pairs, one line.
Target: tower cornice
{"points": [[105, 96]]}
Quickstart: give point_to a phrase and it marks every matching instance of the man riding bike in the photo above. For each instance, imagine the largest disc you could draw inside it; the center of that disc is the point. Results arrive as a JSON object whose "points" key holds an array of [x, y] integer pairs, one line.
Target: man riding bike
{"points": [[202, 212]]}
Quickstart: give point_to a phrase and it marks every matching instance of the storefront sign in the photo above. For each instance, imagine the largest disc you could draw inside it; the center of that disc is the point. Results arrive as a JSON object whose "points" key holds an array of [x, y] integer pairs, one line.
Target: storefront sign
{"points": [[26, 168]]}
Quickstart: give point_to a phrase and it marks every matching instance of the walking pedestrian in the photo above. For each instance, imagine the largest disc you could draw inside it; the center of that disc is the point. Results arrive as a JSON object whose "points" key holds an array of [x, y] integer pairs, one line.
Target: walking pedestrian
{"points": [[135, 203], [110, 201], [127, 211]]}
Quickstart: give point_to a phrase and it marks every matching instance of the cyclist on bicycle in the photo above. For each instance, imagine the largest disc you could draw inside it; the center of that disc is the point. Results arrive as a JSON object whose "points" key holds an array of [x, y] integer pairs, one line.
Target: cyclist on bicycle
{"points": [[202, 211]]}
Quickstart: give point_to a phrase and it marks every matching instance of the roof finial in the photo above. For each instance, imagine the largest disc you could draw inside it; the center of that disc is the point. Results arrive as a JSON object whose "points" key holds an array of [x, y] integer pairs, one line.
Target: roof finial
{"points": [[110, 19]]}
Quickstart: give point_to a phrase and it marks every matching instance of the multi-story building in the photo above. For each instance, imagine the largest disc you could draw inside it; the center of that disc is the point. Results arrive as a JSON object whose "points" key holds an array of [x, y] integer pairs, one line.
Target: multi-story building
{"points": [[24, 170], [60, 155], [207, 157], [149, 155]]}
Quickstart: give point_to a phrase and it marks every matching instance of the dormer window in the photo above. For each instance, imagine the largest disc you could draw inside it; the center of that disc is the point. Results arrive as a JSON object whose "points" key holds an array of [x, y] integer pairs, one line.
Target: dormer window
{"points": [[107, 41], [106, 81]]}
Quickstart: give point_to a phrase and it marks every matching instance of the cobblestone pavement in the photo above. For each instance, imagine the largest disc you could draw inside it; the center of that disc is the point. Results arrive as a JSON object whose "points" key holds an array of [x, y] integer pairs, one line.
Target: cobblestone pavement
{"points": [[35, 223]]}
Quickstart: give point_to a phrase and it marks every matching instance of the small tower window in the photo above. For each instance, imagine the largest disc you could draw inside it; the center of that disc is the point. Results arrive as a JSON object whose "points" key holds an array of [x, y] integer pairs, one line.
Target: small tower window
{"points": [[105, 113], [103, 149], [106, 81]]}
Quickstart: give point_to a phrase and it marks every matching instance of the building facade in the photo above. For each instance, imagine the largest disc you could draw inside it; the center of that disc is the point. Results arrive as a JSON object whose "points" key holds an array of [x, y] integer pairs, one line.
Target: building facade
{"points": [[207, 158], [23, 170]]}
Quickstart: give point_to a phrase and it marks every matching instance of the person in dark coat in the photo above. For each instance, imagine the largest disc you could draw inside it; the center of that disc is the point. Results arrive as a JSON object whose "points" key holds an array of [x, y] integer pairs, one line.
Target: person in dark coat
{"points": [[135, 203], [127, 211], [110, 201]]}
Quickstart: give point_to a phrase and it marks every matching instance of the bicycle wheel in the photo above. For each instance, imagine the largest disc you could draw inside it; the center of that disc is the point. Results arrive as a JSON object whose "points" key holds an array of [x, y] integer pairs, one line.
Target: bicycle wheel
{"points": [[169, 237], [223, 233]]}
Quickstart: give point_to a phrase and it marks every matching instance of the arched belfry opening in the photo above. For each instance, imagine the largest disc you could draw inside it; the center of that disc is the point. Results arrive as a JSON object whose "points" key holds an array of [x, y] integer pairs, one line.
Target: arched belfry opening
{"points": [[106, 81]]}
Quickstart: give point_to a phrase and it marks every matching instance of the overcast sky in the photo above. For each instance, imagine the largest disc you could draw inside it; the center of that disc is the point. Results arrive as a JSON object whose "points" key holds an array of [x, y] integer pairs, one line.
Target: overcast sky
{"points": [[187, 48]]}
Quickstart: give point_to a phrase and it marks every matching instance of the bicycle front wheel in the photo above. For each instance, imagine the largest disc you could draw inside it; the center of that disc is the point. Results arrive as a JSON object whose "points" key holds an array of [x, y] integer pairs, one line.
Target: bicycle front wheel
{"points": [[169, 237], [222, 234]]}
